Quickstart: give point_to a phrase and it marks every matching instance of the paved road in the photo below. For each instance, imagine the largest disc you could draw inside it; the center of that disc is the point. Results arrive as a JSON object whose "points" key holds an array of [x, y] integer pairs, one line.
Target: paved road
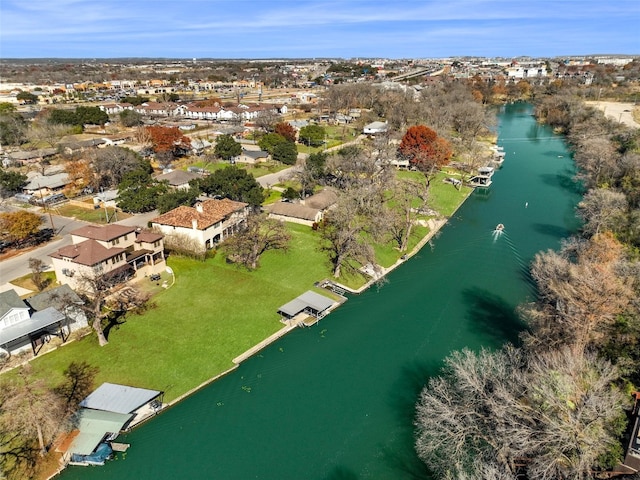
{"points": [[17, 266], [271, 179], [14, 267]]}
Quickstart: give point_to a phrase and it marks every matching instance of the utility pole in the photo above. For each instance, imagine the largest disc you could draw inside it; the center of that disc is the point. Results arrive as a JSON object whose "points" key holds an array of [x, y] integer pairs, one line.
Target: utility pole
{"points": [[47, 210]]}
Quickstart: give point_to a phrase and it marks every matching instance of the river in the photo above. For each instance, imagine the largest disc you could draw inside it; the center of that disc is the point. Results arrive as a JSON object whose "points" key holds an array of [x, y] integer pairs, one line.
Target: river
{"points": [[336, 401]]}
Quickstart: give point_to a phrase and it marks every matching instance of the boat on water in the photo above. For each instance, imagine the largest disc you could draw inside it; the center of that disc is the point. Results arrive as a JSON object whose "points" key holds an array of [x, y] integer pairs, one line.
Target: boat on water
{"points": [[499, 227]]}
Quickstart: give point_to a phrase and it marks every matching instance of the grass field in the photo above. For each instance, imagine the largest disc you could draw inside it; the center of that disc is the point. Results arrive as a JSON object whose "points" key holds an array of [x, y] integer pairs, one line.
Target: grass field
{"points": [[257, 170], [214, 312], [98, 215], [26, 282], [444, 198]]}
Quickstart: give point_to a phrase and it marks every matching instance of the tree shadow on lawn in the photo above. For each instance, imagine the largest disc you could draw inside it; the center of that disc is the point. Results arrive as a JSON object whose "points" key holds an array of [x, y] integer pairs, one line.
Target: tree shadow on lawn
{"points": [[114, 321], [492, 316]]}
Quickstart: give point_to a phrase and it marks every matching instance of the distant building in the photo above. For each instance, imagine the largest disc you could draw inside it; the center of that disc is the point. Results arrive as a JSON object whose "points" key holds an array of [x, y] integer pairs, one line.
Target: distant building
{"points": [[375, 128]]}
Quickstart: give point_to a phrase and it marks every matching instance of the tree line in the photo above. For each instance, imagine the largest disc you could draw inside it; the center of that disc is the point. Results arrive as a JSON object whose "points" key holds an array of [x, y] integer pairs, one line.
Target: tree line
{"points": [[555, 406]]}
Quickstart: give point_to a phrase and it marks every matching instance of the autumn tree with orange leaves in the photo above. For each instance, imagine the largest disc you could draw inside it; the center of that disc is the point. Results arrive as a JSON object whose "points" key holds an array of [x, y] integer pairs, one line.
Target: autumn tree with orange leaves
{"points": [[286, 130], [168, 142], [425, 150], [81, 175], [583, 290]]}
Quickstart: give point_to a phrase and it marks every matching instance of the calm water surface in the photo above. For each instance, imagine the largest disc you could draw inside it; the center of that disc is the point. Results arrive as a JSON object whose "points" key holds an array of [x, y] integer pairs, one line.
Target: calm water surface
{"points": [[335, 401]]}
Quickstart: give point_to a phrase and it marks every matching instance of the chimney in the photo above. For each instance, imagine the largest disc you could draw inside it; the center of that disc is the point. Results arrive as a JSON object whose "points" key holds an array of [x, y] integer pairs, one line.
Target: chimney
{"points": [[194, 224], [199, 207]]}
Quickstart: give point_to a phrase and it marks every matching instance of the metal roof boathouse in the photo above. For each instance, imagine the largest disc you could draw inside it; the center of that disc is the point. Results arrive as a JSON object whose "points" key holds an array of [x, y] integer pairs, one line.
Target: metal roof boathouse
{"points": [[107, 411], [309, 302]]}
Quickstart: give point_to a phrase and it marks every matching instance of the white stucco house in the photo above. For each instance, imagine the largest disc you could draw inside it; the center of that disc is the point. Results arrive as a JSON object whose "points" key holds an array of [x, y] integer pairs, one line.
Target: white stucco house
{"points": [[206, 223]]}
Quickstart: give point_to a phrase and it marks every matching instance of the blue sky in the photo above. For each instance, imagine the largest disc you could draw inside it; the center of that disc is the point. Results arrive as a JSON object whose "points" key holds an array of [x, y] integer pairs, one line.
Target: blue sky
{"points": [[316, 28]]}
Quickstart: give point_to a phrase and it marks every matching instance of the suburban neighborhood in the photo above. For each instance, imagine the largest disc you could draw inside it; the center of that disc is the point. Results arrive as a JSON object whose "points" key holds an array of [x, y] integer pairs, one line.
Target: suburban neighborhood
{"points": [[165, 222]]}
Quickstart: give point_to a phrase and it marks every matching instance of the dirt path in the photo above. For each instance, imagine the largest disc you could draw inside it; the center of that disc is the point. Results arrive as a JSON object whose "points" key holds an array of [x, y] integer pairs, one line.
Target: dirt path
{"points": [[621, 112]]}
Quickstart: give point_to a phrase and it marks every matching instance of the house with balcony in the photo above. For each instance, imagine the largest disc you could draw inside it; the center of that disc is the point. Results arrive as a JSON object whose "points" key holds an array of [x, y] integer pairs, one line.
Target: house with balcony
{"points": [[206, 223], [117, 251], [29, 324]]}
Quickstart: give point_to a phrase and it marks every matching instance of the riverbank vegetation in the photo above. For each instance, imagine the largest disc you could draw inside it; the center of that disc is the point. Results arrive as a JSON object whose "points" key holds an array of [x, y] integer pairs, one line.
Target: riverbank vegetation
{"points": [[557, 405], [217, 310]]}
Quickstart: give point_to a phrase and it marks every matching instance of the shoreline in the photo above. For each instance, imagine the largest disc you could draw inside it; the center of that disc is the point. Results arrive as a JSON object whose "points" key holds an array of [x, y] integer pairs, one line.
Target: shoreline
{"points": [[435, 225]]}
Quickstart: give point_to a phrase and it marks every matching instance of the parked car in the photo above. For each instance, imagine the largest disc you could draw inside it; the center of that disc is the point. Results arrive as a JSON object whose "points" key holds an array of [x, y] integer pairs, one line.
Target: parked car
{"points": [[49, 200]]}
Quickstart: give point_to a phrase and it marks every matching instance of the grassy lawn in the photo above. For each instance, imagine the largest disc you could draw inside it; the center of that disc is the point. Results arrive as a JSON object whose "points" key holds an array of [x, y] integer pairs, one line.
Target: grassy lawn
{"points": [[26, 282], [272, 197], [212, 313], [90, 215], [257, 170], [444, 198]]}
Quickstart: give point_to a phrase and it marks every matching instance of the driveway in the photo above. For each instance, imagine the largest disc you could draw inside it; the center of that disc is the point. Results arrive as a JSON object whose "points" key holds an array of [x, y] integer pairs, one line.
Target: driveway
{"points": [[17, 266], [271, 179]]}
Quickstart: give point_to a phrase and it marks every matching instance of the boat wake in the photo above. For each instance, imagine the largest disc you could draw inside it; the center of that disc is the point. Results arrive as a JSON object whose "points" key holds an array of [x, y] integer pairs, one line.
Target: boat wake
{"points": [[498, 231]]}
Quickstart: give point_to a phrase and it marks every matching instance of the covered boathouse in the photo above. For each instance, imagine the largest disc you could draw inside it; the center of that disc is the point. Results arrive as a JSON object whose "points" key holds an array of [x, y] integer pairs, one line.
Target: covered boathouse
{"points": [[107, 411], [309, 302]]}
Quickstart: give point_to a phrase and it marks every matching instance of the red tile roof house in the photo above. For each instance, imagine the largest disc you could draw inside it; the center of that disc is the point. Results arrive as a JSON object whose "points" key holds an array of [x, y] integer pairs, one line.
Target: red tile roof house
{"points": [[111, 250], [207, 223]]}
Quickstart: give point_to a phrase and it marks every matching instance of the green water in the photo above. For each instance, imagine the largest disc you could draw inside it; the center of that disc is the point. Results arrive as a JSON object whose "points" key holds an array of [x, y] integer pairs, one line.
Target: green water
{"points": [[335, 401]]}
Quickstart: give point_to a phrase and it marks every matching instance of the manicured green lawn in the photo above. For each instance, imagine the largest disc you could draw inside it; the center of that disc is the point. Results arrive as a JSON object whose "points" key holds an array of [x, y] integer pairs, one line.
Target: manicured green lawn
{"points": [[257, 170], [91, 215], [213, 313], [444, 198]]}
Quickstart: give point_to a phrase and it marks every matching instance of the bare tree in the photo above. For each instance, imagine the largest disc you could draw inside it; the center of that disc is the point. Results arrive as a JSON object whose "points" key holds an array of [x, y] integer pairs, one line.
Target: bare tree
{"points": [[111, 164], [603, 209], [38, 267], [552, 416], [258, 235], [96, 290], [460, 415], [46, 134], [185, 245], [582, 290], [267, 119], [30, 408], [407, 199], [578, 412], [341, 233], [597, 158]]}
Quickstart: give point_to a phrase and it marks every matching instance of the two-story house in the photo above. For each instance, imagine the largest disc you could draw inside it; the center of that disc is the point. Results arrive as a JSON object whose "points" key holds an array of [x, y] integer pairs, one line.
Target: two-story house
{"points": [[207, 223], [112, 250]]}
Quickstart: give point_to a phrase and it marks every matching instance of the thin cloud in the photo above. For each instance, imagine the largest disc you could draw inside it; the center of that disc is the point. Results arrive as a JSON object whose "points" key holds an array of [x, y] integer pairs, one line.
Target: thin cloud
{"points": [[322, 28]]}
